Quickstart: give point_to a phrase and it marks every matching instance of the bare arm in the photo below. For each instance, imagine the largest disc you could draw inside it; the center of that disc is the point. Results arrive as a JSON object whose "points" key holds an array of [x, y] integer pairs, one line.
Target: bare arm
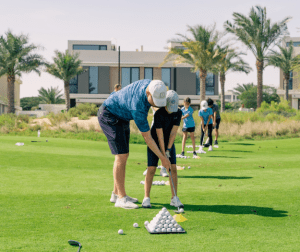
{"points": [[172, 136], [160, 136], [187, 115]]}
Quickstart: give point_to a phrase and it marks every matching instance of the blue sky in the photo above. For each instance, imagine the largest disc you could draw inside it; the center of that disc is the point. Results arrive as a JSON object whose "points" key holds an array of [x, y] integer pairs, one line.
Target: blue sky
{"points": [[130, 24]]}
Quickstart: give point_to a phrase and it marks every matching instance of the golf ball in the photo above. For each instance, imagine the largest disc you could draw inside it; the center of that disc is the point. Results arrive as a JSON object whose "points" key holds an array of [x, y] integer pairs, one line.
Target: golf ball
{"points": [[166, 225], [170, 217], [120, 231], [160, 225], [173, 222], [181, 210], [184, 157], [146, 223], [169, 230], [165, 217], [164, 230], [135, 225], [170, 225], [176, 225], [162, 221], [179, 229], [174, 230], [183, 167], [164, 209], [168, 221], [189, 167], [158, 230]]}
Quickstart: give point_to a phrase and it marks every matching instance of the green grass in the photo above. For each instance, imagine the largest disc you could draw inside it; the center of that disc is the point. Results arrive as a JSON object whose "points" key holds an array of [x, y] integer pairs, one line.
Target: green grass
{"points": [[60, 190]]}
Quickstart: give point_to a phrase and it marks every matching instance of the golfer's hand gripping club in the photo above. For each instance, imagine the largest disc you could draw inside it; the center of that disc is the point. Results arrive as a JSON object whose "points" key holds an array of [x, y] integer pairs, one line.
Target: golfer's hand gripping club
{"points": [[166, 163]]}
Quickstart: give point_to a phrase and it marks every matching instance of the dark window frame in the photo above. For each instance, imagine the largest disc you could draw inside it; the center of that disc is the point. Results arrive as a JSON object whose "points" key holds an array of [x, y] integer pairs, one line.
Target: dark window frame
{"points": [[130, 74], [145, 72], [170, 75], [99, 46]]}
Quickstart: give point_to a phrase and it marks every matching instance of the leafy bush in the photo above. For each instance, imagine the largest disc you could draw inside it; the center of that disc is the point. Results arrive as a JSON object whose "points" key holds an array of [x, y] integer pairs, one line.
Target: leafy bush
{"points": [[58, 118], [89, 109], [83, 116]]}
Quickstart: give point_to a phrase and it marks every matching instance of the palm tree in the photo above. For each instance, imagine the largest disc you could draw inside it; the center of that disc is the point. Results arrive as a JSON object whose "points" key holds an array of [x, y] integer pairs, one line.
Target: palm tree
{"points": [[65, 67], [231, 63], [242, 88], [201, 52], [258, 34], [284, 60], [50, 96], [17, 57]]}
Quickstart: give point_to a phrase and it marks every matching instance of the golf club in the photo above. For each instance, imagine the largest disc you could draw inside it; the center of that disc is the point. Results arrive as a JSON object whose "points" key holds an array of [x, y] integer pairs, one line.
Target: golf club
{"points": [[173, 187], [75, 243], [38, 141]]}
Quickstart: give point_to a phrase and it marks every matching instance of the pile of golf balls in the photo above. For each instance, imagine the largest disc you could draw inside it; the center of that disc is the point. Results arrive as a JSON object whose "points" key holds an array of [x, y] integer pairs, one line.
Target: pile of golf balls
{"points": [[158, 182], [180, 156], [120, 232], [163, 222]]}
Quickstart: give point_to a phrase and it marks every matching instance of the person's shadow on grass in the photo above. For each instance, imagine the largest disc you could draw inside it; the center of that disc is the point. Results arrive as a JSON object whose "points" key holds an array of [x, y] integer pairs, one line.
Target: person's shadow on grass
{"points": [[229, 209]]}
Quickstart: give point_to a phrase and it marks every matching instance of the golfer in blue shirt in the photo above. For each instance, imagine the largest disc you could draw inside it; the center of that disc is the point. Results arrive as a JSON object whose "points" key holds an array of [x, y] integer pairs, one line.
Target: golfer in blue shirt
{"points": [[206, 114], [130, 103]]}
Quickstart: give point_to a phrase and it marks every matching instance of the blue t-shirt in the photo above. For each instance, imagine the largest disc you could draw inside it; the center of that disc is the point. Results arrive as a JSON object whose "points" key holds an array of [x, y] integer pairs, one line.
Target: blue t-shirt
{"points": [[205, 115], [189, 121], [131, 103]]}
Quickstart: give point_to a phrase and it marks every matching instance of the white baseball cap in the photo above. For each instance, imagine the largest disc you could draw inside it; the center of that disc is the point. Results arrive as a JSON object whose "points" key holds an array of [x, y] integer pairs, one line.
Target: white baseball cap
{"points": [[158, 90], [204, 105]]}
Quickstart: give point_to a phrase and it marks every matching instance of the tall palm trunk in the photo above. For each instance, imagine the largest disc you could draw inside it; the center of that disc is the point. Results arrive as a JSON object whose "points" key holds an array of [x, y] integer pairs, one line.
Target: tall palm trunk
{"points": [[67, 95], [286, 79], [11, 93], [203, 74], [222, 80], [260, 68]]}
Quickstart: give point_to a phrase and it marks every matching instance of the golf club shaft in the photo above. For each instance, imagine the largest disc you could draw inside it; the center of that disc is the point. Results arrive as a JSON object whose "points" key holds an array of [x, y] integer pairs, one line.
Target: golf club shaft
{"points": [[173, 183]]}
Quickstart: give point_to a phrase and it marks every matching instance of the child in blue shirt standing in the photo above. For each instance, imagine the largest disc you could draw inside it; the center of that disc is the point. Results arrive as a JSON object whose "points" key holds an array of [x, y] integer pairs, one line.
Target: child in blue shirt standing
{"points": [[206, 114], [188, 124]]}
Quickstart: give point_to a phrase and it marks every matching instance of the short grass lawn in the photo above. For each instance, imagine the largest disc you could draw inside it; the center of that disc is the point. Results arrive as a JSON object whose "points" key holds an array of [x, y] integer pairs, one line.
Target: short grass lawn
{"points": [[243, 196]]}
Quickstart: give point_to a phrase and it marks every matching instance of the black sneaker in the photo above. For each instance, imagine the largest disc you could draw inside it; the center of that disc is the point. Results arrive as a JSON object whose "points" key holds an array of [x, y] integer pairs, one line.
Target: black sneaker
{"points": [[216, 142], [194, 153], [182, 153], [206, 145]]}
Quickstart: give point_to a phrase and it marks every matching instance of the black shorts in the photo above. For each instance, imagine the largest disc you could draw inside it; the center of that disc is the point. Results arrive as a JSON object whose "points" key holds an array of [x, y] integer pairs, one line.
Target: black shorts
{"points": [[218, 123], [116, 130], [153, 159], [192, 129]]}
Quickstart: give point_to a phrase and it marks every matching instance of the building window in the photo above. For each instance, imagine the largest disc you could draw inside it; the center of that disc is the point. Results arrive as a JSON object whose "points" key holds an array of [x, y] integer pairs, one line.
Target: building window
{"points": [[291, 81], [166, 76], [93, 80], [130, 75], [149, 73], [90, 47], [209, 84], [74, 85], [294, 44], [227, 97]]}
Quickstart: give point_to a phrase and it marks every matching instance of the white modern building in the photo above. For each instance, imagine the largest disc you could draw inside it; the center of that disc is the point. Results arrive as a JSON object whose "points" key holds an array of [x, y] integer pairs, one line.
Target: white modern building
{"points": [[100, 58], [294, 82]]}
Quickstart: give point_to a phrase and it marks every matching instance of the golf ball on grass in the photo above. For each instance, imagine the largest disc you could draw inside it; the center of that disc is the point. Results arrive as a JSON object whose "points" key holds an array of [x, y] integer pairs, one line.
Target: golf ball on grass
{"points": [[189, 167], [179, 229], [163, 230], [181, 210], [135, 225], [146, 223], [158, 230], [174, 230], [120, 232]]}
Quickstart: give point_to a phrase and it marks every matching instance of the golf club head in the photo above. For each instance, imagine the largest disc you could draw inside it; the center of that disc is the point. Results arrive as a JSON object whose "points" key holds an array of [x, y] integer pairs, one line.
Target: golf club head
{"points": [[74, 243]]}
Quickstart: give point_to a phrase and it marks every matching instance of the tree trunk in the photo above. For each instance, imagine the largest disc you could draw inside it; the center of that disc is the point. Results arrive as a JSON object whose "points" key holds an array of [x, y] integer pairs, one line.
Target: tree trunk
{"points": [[11, 93], [222, 80], [203, 74], [286, 79], [67, 95], [260, 68]]}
